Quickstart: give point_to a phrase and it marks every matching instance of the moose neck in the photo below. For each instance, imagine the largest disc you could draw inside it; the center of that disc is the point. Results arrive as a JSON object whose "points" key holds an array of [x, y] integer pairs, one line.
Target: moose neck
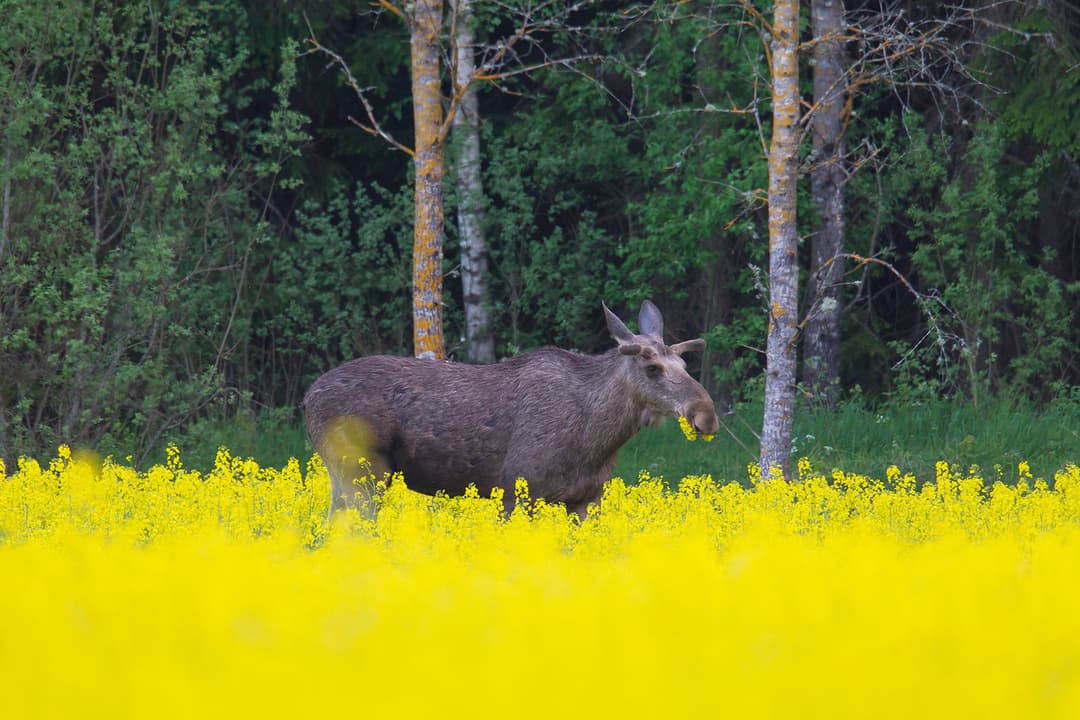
{"points": [[615, 413]]}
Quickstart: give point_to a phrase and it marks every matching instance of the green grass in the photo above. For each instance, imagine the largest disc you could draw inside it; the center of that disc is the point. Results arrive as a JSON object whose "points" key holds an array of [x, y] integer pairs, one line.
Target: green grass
{"points": [[867, 440], [914, 437], [271, 438], [854, 438]]}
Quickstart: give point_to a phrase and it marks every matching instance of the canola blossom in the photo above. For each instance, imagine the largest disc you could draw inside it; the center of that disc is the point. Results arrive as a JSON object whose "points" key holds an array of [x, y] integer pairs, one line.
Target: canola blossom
{"points": [[174, 593], [689, 431]]}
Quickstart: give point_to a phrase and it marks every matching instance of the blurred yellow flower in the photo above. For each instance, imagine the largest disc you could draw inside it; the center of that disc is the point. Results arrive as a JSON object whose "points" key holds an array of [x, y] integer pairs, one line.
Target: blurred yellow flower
{"points": [[175, 593]]}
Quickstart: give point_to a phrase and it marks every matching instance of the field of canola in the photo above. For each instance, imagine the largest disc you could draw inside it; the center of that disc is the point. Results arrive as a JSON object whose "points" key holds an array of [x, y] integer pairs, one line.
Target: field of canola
{"points": [[172, 593]]}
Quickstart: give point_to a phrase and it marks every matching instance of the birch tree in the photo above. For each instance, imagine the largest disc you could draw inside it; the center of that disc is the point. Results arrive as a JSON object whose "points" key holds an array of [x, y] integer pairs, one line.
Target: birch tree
{"points": [[425, 48], [524, 51], [907, 55], [821, 348], [480, 341], [783, 303]]}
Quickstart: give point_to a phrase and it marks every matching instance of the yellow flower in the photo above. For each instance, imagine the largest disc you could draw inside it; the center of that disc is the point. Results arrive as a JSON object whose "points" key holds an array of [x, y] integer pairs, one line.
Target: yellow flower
{"points": [[892, 474], [199, 582], [689, 431]]}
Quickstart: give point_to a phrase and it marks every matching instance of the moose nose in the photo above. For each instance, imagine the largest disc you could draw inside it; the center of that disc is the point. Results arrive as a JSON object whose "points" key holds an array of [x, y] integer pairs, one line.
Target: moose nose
{"points": [[704, 419]]}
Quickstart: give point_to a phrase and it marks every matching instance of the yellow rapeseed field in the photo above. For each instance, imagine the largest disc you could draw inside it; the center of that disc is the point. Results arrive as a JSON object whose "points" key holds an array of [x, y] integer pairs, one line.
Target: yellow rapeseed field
{"points": [[173, 593]]}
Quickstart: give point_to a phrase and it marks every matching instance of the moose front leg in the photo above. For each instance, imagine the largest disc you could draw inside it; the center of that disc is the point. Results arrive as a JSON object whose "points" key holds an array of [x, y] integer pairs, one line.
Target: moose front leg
{"points": [[582, 508], [591, 497]]}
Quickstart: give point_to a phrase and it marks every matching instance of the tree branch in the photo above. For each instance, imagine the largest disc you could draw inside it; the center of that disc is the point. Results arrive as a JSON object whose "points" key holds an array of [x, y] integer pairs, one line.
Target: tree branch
{"points": [[372, 125]]}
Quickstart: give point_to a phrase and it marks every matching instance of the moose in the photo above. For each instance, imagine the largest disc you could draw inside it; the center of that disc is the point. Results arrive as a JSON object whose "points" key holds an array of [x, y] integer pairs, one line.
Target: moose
{"points": [[554, 417]]}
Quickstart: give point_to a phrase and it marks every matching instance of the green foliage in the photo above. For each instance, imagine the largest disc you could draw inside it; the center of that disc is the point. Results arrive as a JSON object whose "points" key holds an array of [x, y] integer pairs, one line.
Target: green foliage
{"points": [[1004, 319], [339, 287], [697, 225], [550, 235], [164, 269], [1045, 98], [126, 228]]}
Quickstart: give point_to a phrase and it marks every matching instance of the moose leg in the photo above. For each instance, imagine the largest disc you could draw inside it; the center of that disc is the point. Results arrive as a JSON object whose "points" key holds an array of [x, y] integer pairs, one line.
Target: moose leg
{"points": [[354, 482], [592, 497], [582, 508], [349, 452]]}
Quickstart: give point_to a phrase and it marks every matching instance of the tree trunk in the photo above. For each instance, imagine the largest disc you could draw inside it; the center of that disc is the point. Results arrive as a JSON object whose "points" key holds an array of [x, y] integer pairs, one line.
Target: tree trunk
{"points": [[480, 344], [428, 233], [821, 348], [783, 313]]}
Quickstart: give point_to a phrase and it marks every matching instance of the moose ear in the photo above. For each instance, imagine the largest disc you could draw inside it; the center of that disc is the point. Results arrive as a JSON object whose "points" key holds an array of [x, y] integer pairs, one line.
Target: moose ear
{"points": [[650, 321], [617, 327], [695, 345]]}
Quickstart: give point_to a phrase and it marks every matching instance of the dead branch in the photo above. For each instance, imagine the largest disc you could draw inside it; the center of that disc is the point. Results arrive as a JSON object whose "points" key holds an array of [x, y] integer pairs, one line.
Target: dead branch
{"points": [[523, 52], [925, 302], [372, 125]]}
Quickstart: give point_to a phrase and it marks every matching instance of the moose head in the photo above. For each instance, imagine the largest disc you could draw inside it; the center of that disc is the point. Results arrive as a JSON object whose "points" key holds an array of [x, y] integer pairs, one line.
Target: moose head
{"points": [[656, 372]]}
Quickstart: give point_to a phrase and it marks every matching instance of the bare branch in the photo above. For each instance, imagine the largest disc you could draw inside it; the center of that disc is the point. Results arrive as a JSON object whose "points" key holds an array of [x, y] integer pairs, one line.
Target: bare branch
{"points": [[925, 302], [908, 53], [753, 12], [526, 50], [391, 7], [372, 125], [750, 453]]}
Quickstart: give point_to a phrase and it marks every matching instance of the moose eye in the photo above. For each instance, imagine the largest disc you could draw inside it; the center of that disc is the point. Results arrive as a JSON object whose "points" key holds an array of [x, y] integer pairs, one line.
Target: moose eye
{"points": [[653, 371]]}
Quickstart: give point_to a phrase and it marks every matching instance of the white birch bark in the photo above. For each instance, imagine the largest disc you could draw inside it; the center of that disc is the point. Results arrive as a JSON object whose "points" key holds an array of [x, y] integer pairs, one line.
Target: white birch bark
{"points": [[780, 348], [821, 345], [480, 344]]}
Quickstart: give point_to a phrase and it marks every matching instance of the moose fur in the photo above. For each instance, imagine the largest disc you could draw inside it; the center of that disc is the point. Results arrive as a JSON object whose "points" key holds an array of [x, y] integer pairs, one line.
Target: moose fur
{"points": [[553, 417]]}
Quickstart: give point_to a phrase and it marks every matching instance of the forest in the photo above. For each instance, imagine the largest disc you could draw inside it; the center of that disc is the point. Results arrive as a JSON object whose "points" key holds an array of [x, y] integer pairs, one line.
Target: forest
{"points": [[205, 205]]}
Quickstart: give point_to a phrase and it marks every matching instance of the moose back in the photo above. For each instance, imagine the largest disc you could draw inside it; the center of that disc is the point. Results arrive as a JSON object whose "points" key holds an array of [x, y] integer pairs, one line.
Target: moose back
{"points": [[553, 417]]}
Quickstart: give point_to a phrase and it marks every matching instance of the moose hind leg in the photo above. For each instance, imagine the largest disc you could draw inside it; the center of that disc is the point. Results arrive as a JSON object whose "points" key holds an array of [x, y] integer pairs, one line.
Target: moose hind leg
{"points": [[348, 449], [354, 483]]}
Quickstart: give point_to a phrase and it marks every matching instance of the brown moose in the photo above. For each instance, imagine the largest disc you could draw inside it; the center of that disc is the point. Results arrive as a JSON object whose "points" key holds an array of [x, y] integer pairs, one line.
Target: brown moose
{"points": [[553, 417]]}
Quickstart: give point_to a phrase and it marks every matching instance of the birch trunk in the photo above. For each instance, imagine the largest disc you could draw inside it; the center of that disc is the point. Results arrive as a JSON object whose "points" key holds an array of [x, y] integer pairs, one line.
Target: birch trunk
{"points": [[780, 346], [821, 349], [480, 344], [428, 232]]}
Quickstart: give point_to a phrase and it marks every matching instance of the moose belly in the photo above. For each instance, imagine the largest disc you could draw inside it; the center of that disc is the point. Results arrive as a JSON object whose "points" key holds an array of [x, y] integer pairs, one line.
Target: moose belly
{"points": [[450, 467]]}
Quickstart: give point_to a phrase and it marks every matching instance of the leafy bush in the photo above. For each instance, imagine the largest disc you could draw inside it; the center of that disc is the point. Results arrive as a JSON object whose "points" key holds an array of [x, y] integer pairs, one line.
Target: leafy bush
{"points": [[337, 288], [1005, 321], [129, 217]]}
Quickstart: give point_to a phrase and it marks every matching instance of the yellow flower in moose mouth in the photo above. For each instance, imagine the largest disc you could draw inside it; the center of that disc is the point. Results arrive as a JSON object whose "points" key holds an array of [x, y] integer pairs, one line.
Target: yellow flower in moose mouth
{"points": [[689, 431]]}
